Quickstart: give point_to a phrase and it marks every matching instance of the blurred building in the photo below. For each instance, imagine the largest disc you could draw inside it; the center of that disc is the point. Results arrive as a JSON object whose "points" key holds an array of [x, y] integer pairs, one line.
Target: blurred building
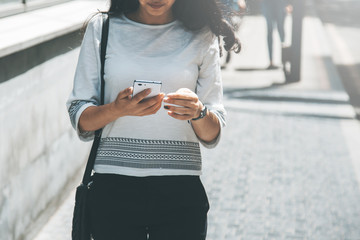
{"points": [[41, 158]]}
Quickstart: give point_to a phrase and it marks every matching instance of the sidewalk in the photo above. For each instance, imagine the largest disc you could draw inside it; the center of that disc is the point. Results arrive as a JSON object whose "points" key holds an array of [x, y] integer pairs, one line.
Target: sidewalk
{"points": [[288, 165]]}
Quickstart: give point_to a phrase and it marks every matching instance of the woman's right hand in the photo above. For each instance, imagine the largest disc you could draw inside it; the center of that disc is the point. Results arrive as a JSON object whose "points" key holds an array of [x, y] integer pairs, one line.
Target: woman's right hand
{"points": [[125, 105], [96, 117]]}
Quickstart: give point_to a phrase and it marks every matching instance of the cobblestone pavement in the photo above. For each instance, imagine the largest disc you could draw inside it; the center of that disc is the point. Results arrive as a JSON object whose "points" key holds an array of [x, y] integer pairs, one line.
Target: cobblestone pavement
{"points": [[281, 177]]}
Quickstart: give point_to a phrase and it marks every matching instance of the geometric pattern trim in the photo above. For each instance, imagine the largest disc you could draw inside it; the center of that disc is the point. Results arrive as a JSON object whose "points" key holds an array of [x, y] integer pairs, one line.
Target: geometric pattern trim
{"points": [[143, 153]]}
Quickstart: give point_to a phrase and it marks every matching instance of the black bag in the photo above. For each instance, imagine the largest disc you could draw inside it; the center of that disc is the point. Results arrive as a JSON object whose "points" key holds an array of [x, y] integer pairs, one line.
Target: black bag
{"points": [[80, 225]]}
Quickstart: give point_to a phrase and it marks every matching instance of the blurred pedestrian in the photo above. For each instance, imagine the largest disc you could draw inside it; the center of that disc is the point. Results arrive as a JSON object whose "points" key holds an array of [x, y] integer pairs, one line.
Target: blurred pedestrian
{"points": [[275, 13], [146, 183]]}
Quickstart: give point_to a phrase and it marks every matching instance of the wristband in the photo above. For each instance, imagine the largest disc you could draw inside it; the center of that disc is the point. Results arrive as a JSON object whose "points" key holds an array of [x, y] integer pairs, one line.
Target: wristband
{"points": [[203, 113]]}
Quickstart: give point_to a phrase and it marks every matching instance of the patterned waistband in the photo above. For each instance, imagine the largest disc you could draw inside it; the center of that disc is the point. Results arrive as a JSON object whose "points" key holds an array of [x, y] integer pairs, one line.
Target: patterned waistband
{"points": [[145, 154]]}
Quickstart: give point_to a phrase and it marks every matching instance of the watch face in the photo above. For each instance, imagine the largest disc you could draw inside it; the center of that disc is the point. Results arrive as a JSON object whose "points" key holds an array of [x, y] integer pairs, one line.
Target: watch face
{"points": [[203, 112]]}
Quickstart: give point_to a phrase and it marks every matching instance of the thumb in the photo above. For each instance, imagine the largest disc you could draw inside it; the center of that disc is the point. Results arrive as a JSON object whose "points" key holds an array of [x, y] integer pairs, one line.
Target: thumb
{"points": [[125, 93]]}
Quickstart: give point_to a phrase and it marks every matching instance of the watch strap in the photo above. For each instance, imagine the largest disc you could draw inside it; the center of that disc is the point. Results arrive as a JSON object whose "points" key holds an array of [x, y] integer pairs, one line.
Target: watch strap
{"points": [[202, 114]]}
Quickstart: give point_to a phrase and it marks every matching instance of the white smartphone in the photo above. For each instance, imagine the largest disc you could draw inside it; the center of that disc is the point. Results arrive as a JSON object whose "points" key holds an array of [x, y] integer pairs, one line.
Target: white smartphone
{"points": [[141, 85]]}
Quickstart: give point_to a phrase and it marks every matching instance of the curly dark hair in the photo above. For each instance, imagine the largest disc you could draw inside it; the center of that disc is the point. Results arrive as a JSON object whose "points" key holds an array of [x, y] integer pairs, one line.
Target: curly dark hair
{"points": [[195, 15]]}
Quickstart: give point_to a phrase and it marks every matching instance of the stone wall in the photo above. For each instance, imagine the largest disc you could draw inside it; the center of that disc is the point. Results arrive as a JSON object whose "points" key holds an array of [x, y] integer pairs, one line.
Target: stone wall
{"points": [[41, 157]]}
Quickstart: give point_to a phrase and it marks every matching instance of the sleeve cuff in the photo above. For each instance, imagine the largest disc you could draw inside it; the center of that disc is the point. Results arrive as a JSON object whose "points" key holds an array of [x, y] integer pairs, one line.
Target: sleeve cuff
{"points": [[83, 135], [213, 143], [221, 117]]}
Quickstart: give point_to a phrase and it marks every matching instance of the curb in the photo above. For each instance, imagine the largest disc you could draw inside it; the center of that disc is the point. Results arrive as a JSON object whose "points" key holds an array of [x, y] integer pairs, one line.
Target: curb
{"points": [[326, 97]]}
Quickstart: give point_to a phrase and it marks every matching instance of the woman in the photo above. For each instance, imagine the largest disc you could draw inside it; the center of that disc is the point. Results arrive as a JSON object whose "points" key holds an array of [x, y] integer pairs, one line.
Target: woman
{"points": [[146, 182]]}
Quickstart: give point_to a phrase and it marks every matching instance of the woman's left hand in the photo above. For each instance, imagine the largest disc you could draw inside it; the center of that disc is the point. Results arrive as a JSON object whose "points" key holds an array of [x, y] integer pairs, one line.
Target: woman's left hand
{"points": [[189, 106]]}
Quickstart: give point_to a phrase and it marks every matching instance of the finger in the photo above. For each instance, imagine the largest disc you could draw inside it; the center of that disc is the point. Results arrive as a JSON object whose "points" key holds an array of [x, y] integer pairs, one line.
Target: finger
{"points": [[180, 110], [178, 116], [151, 110], [186, 96], [149, 102], [125, 93], [141, 95], [184, 103], [157, 108], [161, 96], [157, 98]]}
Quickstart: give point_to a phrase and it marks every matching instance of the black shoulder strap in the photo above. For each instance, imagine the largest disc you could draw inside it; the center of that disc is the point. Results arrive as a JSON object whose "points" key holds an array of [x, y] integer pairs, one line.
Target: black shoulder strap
{"points": [[95, 145], [104, 40]]}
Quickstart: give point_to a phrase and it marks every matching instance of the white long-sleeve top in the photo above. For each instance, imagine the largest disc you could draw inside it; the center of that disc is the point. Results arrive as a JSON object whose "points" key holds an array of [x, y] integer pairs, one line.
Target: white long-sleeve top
{"points": [[156, 144]]}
